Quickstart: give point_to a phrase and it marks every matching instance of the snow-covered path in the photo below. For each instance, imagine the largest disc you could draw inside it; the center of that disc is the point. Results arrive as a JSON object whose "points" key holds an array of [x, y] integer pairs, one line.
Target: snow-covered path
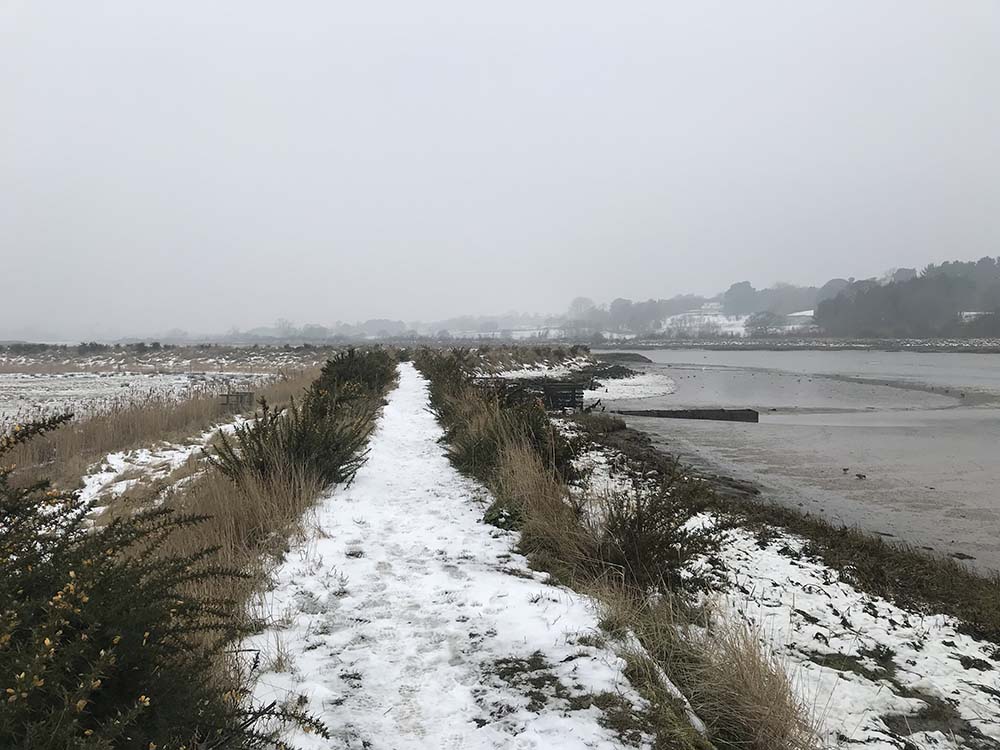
{"points": [[405, 622]]}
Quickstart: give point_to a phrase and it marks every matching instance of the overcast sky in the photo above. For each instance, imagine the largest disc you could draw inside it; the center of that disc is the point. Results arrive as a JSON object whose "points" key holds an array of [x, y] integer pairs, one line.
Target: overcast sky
{"points": [[212, 164]]}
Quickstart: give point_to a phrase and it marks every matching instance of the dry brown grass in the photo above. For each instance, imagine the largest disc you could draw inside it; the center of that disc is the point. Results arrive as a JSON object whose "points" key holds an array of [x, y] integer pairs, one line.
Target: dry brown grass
{"points": [[553, 532], [64, 455], [734, 682], [250, 523]]}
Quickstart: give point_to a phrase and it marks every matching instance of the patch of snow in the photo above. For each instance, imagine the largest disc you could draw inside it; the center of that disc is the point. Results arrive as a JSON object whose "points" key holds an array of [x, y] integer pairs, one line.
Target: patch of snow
{"points": [[807, 613], [103, 481], [651, 384], [546, 369], [404, 616]]}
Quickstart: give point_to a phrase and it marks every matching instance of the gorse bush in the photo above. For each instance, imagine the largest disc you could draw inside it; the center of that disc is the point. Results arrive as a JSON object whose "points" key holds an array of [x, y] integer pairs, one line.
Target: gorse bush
{"points": [[354, 372], [646, 535], [318, 437], [102, 645], [322, 436]]}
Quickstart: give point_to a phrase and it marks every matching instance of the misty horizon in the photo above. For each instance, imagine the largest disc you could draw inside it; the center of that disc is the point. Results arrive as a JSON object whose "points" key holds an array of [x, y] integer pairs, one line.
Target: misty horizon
{"points": [[287, 328]]}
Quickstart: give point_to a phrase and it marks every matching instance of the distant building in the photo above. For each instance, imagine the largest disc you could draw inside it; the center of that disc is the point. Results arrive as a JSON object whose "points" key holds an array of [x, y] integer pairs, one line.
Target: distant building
{"points": [[799, 321]]}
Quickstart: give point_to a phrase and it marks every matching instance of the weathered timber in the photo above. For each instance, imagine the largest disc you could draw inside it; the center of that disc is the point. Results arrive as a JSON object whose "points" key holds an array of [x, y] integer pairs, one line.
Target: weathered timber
{"points": [[554, 394], [238, 400], [721, 415]]}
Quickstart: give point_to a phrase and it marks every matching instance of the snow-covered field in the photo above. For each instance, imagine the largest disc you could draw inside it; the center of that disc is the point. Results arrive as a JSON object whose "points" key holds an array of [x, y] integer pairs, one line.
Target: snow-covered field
{"points": [[208, 359], [24, 395], [404, 621]]}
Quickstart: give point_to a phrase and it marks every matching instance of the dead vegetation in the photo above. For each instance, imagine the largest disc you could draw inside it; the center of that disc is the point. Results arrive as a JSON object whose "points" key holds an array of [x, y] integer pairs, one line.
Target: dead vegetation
{"points": [[735, 686]]}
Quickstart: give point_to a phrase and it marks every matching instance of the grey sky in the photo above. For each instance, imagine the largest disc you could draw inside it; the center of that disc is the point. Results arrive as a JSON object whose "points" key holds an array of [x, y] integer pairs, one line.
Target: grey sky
{"points": [[203, 165]]}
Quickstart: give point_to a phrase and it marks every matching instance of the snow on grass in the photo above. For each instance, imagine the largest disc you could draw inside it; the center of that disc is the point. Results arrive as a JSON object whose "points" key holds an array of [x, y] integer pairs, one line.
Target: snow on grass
{"points": [[858, 659], [28, 395], [544, 368], [871, 673], [600, 471], [122, 470], [405, 622]]}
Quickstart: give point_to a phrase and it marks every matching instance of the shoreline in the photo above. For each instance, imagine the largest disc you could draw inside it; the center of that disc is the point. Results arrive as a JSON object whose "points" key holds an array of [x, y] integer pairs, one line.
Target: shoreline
{"points": [[970, 396], [919, 346], [863, 653], [893, 568]]}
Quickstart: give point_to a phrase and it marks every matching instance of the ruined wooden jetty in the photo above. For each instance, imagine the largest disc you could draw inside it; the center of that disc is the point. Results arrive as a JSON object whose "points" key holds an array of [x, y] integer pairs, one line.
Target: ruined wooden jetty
{"points": [[722, 415], [554, 394]]}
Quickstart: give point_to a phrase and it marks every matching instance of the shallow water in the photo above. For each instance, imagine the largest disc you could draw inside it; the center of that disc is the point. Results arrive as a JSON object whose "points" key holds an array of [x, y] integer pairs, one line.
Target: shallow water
{"points": [[924, 429]]}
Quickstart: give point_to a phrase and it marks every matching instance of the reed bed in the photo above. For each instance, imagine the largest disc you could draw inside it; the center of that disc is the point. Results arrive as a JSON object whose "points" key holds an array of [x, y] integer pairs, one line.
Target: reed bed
{"points": [[63, 456]]}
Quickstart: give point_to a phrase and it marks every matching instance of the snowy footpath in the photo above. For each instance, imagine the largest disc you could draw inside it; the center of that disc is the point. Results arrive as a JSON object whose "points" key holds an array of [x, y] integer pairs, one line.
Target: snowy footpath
{"points": [[403, 621]]}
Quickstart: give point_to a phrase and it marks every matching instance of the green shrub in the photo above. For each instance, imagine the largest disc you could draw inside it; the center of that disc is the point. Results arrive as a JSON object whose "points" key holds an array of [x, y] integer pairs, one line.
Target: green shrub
{"points": [[356, 373], [318, 438], [102, 643], [322, 437], [646, 535]]}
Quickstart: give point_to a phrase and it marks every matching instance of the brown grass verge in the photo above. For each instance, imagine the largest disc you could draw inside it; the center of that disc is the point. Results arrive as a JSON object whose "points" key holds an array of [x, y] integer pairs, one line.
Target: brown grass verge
{"points": [[745, 697], [554, 534], [735, 686]]}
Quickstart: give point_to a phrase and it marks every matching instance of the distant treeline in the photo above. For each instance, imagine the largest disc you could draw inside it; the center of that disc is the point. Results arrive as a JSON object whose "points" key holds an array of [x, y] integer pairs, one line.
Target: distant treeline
{"points": [[951, 299], [625, 315]]}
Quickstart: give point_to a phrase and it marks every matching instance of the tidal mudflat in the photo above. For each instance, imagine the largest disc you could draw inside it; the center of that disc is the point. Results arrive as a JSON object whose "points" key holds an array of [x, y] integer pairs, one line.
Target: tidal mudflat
{"points": [[900, 444]]}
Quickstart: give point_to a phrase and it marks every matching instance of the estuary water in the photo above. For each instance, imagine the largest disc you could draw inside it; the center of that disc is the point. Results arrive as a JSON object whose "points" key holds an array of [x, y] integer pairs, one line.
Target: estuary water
{"points": [[923, 430]]}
